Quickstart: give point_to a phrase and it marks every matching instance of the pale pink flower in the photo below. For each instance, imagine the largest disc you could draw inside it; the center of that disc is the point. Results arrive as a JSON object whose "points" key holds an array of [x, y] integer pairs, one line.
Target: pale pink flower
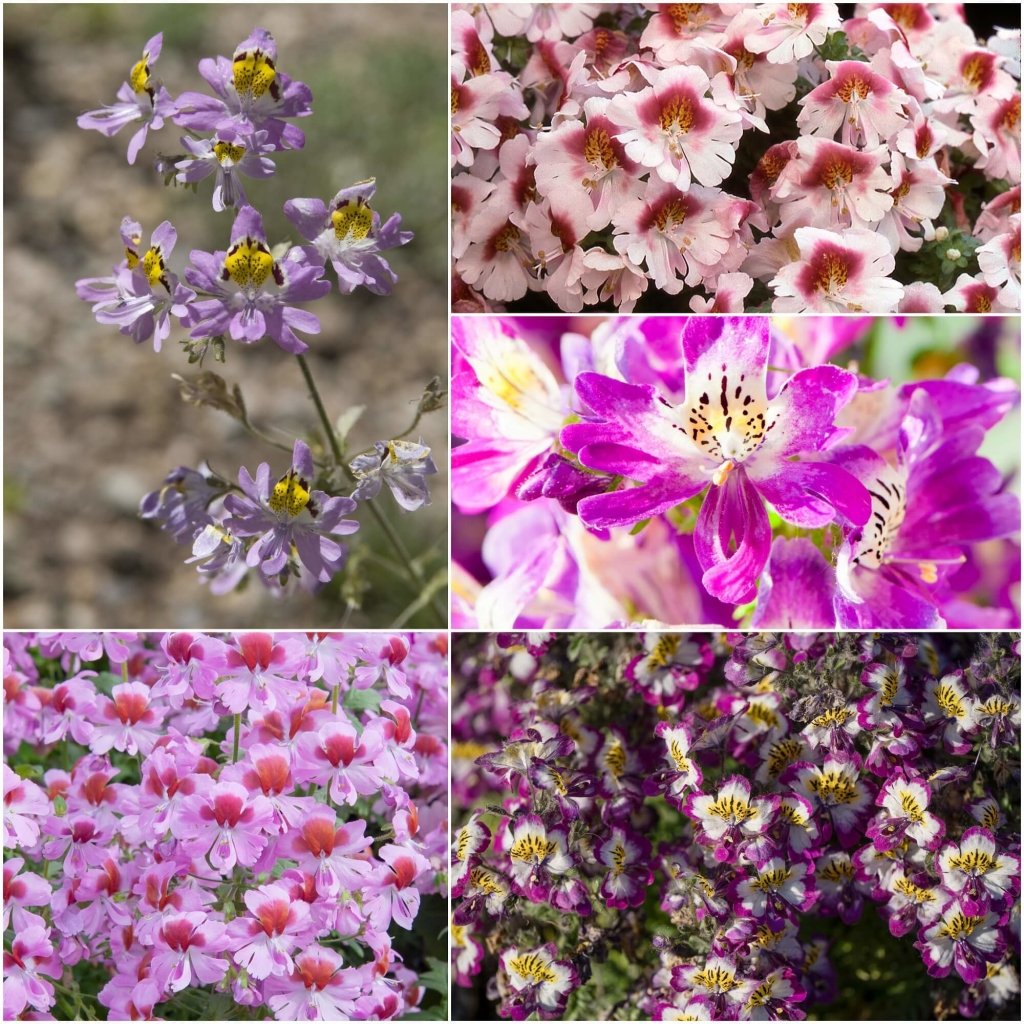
{"points": [[496, 259], [973, 295], [587, 158], [868, 108], [730, 292], [686, 237], [555, 227], [676, 31], [673, 128], [127, 722], [761, 83], [31, 954], [23, 889], [847, 273], [475, 105], [550, 22], [610, 277], [996, 124], [918, 195], [995, 215], [925, 136], [472, 41], [468, 192], [790, 32], [921, 297], [999, 260], [842, 186]]}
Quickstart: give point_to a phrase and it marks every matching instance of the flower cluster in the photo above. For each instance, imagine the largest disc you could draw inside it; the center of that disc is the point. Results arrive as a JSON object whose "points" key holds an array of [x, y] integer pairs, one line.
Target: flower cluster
{"points": [[248, 291], [709, 827], [205, 825], [694, 470], [738, 156]]}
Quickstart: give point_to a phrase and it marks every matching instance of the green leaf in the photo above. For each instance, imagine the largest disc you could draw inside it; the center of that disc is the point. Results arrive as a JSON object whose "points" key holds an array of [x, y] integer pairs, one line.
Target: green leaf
{"points": [[638, 527], [362, 700], [29, 771]]}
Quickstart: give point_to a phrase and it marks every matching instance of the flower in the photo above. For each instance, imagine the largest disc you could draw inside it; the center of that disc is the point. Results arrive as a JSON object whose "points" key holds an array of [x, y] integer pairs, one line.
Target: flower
{"points": [[31, 955], [227, 824], [977, 872], [349, 233], [290, 520], [226, 155], [904, 802], [141, 98], [262, 943], [316, 988], [251, 96], [251, 292], [960, 940], [402, 465], [143, 294], [672, 128], [538, 980], [731, 815], [184, 945]]}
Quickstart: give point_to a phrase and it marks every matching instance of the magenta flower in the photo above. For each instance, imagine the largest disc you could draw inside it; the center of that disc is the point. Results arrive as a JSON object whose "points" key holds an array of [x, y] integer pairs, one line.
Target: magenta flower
{"points": [[250, 293], [727, 437], [968, 943], [836, 789], [262, 943], [23, 889], [268, 770], [731, 816], [129, 722], [905, 814], [227, 825], [336, 854], [317, 988], [392, 894], [255, 673], [141, 98], [184, 946], [672, 128], [978, 872], [626, 858], [30, 956]]}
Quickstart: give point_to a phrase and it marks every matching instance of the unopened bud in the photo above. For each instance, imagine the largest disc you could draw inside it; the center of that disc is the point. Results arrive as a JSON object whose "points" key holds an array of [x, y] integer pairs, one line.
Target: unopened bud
{"points": [[952, 255], [941, 233]]}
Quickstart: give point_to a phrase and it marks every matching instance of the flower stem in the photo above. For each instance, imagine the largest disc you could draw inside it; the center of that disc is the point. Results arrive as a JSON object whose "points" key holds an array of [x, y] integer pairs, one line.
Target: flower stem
{"points": [[238, 730], [412, 570], [334, 699]]}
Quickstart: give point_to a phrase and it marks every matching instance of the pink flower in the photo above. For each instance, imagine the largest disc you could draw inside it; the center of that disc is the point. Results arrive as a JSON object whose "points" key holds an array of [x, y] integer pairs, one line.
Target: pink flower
{"points": [[847, 273], [673, 31], [496, 255], [921, 297], [842, 186], [384, 663], [22, 889], [184, 945], [342, 759], [129, 722], [256, 674], [226, 823], [537, 22], [791, 31], [868, 107], [262, 943], [80, 838], [971, 295], [317, 988], [393, 894], [337, 855], [30, 956], [730, 292], [475, 105], [918, 195], [672, 128], [268, 770], [999, 261], [609, 277], [24, 802], [68, 709], [555, 227]]}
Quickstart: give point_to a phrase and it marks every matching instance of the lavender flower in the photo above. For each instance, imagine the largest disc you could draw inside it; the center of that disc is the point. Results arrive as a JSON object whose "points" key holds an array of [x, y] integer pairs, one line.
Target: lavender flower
{"points": [[139, 99], [250, 292], [402, 465], [349, 234], [290, 520], [227, 155]]}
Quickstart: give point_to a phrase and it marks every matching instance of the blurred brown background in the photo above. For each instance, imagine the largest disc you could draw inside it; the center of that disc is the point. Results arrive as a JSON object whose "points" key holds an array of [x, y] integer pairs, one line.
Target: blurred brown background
{"points": [[93, 422]]}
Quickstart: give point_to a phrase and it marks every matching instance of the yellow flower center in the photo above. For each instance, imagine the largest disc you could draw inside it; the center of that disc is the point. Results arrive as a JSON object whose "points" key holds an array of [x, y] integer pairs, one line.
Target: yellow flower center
{"points": [[950, 701], [352, 221], [532, 846], [290, 495], [975, 861], [664, 649], [959, 925], [837, 870], [769, 881], [532, 967], [733, 809], [597, 150], [228, 152], [677, 115], [615, 757], [716, 979], [138, 78], [781, 754], [248, 263], [853, 86], [832, 787], [254, 74]]}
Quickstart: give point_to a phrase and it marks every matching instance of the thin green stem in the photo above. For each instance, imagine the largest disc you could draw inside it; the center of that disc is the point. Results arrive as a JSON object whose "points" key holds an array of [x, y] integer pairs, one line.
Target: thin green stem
{"points": [[334, 699], [238, 732], [412, 570]]}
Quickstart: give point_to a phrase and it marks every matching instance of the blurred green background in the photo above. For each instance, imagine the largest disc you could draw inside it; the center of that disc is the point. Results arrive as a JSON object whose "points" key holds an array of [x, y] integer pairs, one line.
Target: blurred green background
{"points": [[92, 422]]}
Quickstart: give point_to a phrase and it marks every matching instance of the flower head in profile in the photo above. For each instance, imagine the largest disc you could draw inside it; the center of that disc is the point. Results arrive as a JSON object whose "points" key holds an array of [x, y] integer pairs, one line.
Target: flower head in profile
{"points": [[291, 521], [402, 465], [250, 95], [250, 292], [141, 98], [348, 232], [143, 292]]}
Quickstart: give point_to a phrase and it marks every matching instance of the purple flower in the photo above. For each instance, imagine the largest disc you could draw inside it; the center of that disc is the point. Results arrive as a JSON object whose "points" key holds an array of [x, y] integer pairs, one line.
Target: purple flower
{"points": [[349, 234], [727, 437], [249, 293], [227, 155], [181, 506], [139, 99], [143, 294], [940, 497], [961, 940], [251, 95], [538, 982], [290, 520]]}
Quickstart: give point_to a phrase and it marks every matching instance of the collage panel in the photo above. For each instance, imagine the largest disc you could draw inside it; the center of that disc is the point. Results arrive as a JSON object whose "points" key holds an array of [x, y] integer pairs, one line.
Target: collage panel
{"points": [[741, 472], [729, 826], [211, 182], [216, 826]]}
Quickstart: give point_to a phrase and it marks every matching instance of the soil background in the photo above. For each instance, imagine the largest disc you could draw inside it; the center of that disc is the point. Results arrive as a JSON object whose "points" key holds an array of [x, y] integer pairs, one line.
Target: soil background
{"points": [[92, 422]]}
